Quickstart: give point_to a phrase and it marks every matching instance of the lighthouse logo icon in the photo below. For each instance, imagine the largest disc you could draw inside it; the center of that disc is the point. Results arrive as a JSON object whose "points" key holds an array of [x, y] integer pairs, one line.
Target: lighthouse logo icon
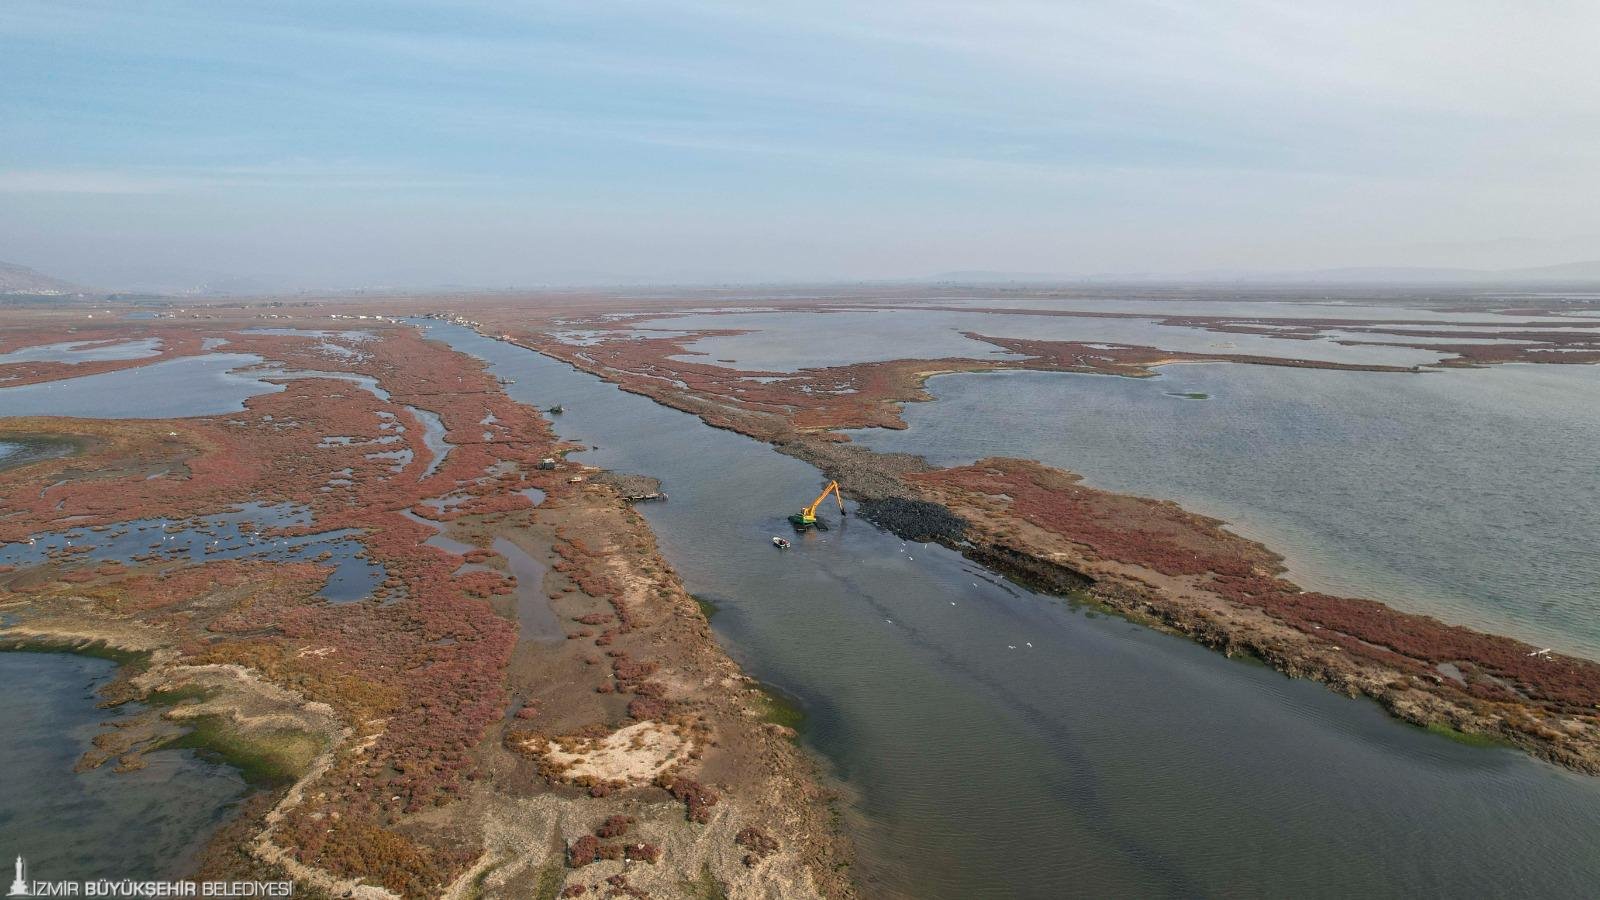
{"points": [[19, 884]]}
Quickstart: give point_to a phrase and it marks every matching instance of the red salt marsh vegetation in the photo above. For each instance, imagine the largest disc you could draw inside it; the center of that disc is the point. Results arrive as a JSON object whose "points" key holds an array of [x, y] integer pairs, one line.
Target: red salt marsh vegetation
{"points": [[402, 694], [1153, 559]]}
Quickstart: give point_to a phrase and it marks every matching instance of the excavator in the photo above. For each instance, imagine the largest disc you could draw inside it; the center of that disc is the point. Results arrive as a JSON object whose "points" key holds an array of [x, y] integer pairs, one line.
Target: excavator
{"points": [[807, 518]]}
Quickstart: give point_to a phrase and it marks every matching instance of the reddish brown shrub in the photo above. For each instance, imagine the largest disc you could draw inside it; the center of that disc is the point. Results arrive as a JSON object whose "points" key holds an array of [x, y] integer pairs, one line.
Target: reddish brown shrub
{"points": [[583, 851], [616, 826], [697, 799]]}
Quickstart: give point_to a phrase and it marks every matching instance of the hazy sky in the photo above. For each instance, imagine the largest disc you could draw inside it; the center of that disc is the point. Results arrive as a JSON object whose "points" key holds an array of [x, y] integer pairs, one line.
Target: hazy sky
{"points": [[490, 143]]}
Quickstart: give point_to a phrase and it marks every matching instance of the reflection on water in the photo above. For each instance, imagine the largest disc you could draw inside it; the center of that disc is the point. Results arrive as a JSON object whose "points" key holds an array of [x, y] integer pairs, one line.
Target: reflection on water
{"points": [[187, 386], [21, 450], [98, 824], [535, 618], [75, 352], [242, 533], [1004, 744], [1473, 495], [433, 433], [787, 341]]}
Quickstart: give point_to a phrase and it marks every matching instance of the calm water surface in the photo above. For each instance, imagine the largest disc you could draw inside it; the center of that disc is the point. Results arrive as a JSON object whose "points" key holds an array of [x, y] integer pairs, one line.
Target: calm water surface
{"points": [[74, 352], [1004, 744], [787, 341], [97, 824], [187, 386], [1473, 495], [240, 533]]}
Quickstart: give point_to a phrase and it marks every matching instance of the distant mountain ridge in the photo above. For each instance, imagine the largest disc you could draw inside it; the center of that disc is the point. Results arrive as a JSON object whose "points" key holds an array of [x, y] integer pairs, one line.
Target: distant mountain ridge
{"points": [[15, 279], [1585, 271]]}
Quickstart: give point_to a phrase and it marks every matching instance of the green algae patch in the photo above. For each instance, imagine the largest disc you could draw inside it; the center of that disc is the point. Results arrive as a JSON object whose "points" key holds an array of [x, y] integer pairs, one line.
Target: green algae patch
{"points": [[708, 607], [778, 708], [1471, 739], [271, 757], [38, 447], [133, 661], [179, 695]]}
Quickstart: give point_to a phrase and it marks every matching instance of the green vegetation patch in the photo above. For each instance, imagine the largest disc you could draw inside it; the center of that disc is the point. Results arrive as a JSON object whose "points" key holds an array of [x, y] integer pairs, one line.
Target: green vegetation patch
{"points": [[1471, 739], [133, 661], [178, 695], [779, 708], [708, 607], [272, 757], [37, 447], [706, 887], [547, 884]]}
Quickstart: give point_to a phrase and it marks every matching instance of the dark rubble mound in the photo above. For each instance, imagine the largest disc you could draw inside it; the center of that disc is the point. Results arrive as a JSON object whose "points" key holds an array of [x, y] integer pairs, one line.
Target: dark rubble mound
{"points": [[914, 520]]}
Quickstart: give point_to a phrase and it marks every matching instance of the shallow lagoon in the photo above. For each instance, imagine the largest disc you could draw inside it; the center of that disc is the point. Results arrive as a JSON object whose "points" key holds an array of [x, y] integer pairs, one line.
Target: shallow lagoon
{"points": [[201, 385], [240, 533], [1473, 495], [97, 824], [75, 352], [788, 341]]}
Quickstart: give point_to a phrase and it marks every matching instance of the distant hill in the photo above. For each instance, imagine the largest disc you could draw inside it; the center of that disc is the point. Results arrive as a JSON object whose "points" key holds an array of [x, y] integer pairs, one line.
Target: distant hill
{"points": [[15, 279], [1578, 271], [1566, 272], [1575, 272]]}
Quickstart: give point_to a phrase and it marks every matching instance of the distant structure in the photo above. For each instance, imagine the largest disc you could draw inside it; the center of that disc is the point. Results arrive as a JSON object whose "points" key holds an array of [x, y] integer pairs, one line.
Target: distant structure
{"points": [[19, 884]]}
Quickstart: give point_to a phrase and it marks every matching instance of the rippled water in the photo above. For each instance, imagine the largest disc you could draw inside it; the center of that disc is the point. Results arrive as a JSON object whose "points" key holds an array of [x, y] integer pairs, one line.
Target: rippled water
{"points": [[1473, 495], [1003, 744], [97, 824]]}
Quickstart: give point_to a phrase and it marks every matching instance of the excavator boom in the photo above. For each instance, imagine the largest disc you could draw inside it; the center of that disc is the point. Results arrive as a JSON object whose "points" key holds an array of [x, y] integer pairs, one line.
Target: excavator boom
{"points": [[807, 518], [832, 488]]}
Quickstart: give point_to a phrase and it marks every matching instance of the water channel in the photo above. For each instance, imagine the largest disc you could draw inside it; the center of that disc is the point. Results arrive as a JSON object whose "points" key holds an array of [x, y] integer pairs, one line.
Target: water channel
{"points": [[1004, 744]]}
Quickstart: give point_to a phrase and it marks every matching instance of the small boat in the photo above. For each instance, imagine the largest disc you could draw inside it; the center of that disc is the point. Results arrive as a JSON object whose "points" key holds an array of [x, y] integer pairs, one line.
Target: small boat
{"points": [[558, 409], [780, 543]]}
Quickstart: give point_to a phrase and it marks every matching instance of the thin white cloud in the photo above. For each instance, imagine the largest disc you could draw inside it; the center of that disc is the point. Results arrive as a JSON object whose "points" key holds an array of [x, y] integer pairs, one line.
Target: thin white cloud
{"points": [[145, 181]]}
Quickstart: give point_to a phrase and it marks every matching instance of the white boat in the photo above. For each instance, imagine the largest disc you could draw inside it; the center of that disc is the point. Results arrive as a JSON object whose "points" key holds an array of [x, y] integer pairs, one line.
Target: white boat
{"points": [[780, 543]]}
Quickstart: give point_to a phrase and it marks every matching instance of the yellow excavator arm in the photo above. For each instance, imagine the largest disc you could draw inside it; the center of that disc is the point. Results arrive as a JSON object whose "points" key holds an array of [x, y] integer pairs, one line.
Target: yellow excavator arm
{"points": [[832, 488], [807, 518]]}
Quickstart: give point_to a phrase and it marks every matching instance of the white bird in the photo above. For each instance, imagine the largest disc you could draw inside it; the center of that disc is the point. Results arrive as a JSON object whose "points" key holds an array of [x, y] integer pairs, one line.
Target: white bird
{"points": [[1029, 643]]}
